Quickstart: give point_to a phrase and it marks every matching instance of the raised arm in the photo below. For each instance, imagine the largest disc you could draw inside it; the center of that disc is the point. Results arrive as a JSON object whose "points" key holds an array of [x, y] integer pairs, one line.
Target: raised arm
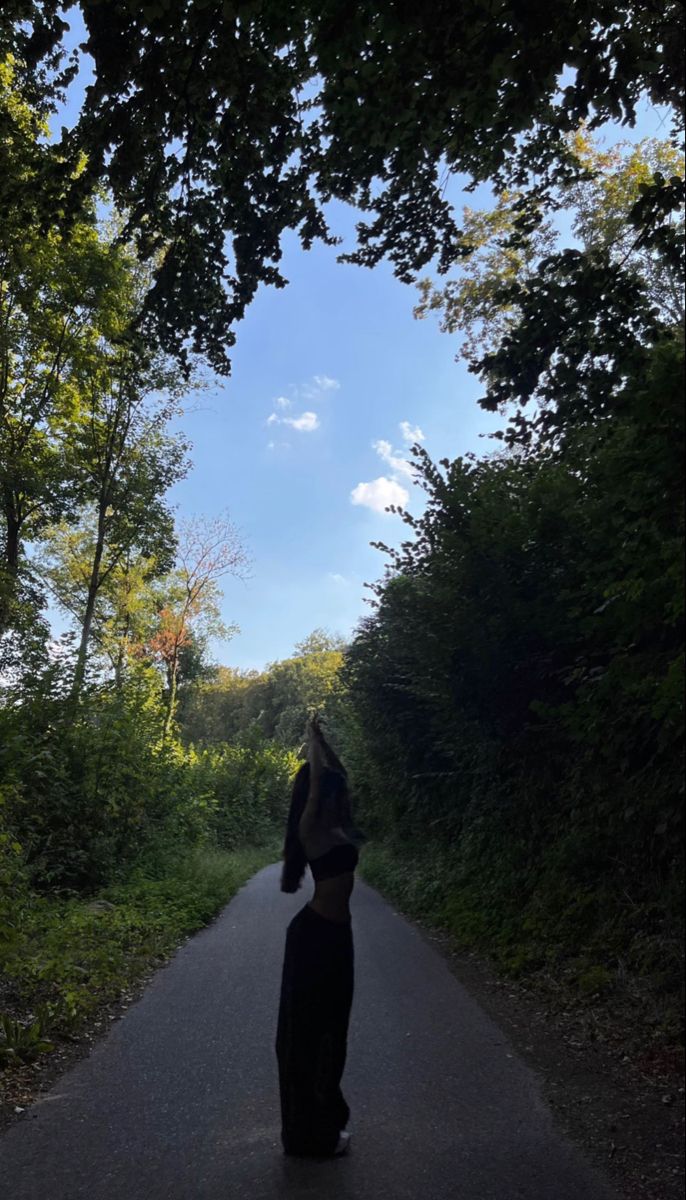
{"points": [[316, 756]]}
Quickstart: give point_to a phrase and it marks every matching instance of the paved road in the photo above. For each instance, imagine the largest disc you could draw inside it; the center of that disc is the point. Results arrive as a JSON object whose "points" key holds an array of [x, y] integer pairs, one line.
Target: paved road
{"points": [[180, 1101]]}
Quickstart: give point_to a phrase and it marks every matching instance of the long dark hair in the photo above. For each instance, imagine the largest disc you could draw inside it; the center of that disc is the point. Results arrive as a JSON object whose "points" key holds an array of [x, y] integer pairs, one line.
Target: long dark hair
{"points": [[334, 809]]}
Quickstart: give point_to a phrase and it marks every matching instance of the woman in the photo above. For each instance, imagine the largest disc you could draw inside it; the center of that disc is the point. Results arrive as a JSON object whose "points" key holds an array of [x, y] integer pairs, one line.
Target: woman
{"points": [[317, 982]]}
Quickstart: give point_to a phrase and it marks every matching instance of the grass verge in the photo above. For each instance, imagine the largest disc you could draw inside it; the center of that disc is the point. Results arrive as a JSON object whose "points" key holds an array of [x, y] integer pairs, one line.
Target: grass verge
{"points": [[571, 949], [63, 959]]}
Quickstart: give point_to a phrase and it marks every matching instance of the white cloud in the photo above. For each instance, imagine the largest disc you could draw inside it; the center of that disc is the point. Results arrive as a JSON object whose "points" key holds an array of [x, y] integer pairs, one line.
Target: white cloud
{"points": [[325, 383], [385, 491], [411, 433], [309, 393], [317, 388], [379, 494], [306, 423], [339, 579], [400, 465]]}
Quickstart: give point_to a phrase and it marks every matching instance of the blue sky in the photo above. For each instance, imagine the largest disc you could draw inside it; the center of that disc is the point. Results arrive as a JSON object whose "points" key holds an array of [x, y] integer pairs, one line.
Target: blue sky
{"points": [[339, 353], [342, 368]]}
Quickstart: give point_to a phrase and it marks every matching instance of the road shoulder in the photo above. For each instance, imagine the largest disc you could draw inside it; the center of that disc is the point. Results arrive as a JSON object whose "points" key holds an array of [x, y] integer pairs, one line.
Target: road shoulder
{"points": [[626, 1113]]}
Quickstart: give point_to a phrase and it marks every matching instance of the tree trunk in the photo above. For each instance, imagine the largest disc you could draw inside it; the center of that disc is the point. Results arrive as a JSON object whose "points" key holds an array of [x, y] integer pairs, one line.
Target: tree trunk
{"points": [[11, 556], [171, 702], [93, 587], [12, 544], [122, 654]]}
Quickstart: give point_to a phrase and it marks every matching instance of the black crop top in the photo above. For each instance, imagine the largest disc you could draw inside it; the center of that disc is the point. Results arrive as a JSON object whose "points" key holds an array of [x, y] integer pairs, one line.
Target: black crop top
{"points": [[337, 861]]}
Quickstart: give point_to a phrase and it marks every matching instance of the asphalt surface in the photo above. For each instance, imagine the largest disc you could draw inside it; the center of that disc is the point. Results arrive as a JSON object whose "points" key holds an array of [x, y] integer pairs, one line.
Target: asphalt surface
{"points": [[180, 1101]]}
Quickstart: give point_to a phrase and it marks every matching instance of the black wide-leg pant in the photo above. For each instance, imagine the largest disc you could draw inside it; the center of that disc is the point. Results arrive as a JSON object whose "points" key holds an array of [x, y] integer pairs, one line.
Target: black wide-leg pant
{"points": [[311, 1041]]}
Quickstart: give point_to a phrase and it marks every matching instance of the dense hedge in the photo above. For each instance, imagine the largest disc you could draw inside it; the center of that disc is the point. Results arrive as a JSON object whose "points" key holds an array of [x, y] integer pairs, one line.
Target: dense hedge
{"points": [[515, 710]]}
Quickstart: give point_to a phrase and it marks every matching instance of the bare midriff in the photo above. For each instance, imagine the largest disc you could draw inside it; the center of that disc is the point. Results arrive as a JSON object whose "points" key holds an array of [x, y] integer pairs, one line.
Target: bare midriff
{"points": [[331, 897]]}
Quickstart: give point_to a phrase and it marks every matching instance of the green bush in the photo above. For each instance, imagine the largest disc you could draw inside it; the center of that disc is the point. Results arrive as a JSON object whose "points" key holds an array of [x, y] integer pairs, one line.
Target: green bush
{"points": [[250, 785], [115, 843], [513, 703], [87, 786]]}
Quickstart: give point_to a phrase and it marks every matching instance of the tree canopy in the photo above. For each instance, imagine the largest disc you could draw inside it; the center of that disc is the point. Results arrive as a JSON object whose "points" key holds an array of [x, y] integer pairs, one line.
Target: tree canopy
{"points": [[479, 301], [219, 124], [276, 701]]}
